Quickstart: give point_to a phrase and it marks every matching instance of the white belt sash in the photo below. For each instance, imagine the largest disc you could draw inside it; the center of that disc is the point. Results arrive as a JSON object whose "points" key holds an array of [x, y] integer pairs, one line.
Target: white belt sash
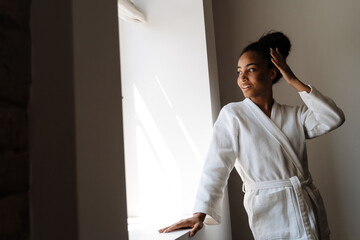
{"points": [[295, 183]]}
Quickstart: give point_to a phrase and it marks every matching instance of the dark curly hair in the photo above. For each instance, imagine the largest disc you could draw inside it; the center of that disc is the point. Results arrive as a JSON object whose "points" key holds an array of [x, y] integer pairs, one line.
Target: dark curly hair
{"points": [[270, 40]]}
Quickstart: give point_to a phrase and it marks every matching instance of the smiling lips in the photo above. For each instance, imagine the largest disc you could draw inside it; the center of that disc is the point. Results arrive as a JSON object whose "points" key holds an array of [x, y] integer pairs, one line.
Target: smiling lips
{"points": [[244, 87]]}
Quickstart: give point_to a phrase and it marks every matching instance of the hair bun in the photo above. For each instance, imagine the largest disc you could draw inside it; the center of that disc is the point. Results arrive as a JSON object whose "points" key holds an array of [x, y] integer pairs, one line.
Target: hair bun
{"points": [[276, 40]]}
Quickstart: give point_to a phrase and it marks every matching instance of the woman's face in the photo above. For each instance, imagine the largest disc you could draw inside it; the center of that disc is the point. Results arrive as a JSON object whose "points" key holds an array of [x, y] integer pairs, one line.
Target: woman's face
{"points": [[254, 75]]}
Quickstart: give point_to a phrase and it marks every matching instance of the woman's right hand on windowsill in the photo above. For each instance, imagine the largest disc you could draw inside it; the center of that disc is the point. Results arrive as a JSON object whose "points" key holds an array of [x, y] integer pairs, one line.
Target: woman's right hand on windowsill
{"points": [[196, 222]]}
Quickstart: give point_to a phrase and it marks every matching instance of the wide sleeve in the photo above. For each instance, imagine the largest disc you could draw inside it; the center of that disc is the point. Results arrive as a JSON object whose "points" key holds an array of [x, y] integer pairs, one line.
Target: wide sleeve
{"points": [[319, 114], [218, 164]]}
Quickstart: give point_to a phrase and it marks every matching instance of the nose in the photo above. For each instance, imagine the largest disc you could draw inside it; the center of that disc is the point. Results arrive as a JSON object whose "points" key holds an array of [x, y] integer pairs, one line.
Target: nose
{"points": [[243, 77]]}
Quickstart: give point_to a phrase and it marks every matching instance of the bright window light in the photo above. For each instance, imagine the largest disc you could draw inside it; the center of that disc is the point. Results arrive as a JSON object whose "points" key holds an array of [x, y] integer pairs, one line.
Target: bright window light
{"points": [[166, 109]]}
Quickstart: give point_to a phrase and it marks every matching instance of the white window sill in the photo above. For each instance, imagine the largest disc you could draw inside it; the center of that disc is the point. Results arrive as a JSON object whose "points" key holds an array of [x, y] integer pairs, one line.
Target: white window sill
{"points": [[142, 231], [153, 234]]}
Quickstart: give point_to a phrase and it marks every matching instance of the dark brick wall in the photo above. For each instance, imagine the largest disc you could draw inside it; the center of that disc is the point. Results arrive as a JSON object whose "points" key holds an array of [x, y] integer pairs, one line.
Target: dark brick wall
{"points": [[15, 79]]}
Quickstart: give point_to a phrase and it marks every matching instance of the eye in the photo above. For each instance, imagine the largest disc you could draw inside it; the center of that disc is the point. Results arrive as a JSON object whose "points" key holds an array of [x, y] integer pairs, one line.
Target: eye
{"points": [[239, 72], [251, 69]]}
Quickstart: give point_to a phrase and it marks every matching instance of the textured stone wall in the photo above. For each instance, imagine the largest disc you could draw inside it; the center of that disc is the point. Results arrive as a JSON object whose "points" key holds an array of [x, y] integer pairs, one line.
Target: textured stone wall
{"points": [[15, 79]]}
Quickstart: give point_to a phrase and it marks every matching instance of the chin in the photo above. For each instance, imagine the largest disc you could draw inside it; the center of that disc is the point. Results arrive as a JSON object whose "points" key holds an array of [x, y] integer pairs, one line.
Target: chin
{"points": [[246, 95]]}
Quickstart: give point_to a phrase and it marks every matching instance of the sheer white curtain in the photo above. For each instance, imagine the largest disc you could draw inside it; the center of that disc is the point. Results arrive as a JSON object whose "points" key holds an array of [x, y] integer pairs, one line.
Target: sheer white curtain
{"points": [[128, 12]]}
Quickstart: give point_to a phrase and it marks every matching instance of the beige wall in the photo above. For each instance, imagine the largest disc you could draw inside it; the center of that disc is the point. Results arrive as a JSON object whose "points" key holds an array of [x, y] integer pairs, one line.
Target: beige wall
{"points": [[98, 121], [325, 37]]}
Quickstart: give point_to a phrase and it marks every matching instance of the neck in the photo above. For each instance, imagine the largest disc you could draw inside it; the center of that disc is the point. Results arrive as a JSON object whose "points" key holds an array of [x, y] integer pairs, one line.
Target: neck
{"points": [[264, 102]]}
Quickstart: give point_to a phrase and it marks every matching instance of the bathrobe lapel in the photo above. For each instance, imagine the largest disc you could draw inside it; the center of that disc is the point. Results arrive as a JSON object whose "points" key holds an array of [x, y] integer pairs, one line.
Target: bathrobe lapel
{"points": [[274, 131]]}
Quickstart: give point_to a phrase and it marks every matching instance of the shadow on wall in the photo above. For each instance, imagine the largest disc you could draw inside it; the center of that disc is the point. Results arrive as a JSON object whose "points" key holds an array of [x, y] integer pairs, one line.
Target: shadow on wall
{"points": [[239, 219]]}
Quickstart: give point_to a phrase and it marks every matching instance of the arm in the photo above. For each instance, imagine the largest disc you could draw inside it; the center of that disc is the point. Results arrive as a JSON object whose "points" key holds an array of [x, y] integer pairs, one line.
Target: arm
{"points": [[320, 114], [279, 61], [219, 162]]}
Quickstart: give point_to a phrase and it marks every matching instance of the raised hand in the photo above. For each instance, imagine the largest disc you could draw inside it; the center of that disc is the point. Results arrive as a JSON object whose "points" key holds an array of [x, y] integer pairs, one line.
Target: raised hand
{"points": [[195, 222], [279, 61]]}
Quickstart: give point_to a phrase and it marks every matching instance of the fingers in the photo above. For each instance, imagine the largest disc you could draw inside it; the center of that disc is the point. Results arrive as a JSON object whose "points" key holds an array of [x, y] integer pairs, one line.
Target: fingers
{"points": [[277, 59], [182, 224], [275, 63], [196, 228], [164, 230], [178, 225], [276, 54], [194, 222]]}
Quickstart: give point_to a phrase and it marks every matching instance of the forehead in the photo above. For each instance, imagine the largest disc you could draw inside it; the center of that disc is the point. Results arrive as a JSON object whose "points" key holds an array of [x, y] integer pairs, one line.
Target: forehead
{"points": [[250, 57]]}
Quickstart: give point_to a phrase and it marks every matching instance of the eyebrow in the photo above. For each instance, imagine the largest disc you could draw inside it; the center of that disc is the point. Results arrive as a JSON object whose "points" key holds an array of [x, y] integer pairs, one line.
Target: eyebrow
{"points": [[249, 65]]}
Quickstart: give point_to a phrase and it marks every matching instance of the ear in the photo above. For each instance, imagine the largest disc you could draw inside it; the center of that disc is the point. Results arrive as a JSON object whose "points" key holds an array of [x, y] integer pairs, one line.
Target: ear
{"points": [[273, 73]]}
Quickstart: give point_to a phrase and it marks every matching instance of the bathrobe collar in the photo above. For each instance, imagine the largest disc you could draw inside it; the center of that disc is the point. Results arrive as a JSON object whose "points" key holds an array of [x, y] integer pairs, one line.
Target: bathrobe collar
{"points": [[270, 126]]}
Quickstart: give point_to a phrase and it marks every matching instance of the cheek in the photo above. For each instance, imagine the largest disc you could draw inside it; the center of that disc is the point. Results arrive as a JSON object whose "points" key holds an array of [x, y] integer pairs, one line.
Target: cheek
{"points": [[262, 79], [238, 81]]}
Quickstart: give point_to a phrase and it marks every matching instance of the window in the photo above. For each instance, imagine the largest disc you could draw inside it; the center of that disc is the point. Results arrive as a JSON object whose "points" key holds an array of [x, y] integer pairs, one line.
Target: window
{"points": [[166, 109]]}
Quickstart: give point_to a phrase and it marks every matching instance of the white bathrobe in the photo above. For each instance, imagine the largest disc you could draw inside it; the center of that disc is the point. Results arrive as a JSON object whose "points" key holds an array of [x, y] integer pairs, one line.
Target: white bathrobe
{"points": [[270, 156]]}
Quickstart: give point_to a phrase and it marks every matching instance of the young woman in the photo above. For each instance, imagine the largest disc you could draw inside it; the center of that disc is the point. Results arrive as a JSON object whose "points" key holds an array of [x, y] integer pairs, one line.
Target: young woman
{"points": [[265, 141]]}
